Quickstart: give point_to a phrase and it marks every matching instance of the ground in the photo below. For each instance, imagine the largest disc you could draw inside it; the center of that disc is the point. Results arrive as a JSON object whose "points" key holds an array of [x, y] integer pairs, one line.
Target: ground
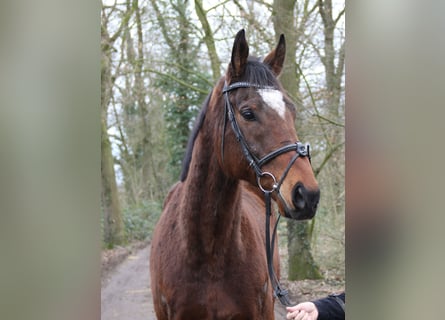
{"points": [[126, 294]]}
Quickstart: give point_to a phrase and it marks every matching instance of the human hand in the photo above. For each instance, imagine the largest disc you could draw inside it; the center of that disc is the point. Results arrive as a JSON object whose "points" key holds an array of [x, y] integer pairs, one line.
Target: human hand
{"points": [[302, 311]]}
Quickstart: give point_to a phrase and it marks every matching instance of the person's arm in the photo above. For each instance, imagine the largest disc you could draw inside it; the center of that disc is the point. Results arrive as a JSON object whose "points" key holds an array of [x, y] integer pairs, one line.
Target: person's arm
{"points": [[331, 307]]}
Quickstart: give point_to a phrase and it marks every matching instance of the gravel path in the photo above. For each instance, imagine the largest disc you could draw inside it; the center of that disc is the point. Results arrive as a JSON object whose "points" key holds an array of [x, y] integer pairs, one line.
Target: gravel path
{"points": [[126, 292]]}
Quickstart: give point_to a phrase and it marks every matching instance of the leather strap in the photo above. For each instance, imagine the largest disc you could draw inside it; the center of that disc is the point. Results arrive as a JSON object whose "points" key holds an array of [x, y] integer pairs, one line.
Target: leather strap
{"points": [[256, 164]]}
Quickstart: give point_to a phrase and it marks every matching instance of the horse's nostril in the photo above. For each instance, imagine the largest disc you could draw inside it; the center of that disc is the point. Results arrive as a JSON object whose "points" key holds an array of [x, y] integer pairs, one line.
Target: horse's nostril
{"points": [[299, 197], [304, 199]]}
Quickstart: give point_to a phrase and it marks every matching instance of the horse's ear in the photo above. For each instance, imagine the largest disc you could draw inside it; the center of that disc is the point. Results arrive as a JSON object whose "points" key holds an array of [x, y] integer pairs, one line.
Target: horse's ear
{"points": [[240, 52], [275, 59]]}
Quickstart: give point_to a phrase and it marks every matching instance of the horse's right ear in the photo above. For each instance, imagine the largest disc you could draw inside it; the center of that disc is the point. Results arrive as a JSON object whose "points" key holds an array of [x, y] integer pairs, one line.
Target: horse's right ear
{"points": [[240, 52], [275, 59]]}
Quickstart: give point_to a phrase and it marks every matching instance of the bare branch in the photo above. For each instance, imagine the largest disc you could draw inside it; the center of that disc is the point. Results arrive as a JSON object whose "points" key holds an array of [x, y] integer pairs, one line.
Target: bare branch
{"points": [[179, 66], [267, 5], [340, 14], [313, 8], [121, 133], [253, 22], [161, 22], [327, 157], [172, 77], [317, 113], [208, 39], [341, 60], [217, 5], [123, 24]]}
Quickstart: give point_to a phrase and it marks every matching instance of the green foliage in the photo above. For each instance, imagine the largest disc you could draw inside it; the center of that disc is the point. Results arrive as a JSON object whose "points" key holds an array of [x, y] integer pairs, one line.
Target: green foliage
{"points": [[181, 103], [179, 76], [140, 220], [181, 110]]}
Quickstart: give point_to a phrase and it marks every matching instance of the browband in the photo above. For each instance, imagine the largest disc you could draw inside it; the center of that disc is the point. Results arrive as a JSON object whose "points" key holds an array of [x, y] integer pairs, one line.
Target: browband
{"points": [[237, 85]]}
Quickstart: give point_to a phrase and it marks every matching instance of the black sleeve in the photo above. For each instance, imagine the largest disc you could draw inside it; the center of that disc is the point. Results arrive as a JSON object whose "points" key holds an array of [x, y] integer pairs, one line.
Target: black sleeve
{"points": [[331, 307]]}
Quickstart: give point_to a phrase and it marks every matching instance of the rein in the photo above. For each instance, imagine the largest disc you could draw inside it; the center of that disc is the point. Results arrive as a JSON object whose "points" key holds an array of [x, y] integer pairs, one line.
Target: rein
{"points": [[302, 150]]}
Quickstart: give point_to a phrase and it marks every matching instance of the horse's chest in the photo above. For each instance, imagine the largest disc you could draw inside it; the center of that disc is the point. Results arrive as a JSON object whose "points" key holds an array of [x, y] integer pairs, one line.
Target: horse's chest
{"points": [[224, 301], [230, 297]]}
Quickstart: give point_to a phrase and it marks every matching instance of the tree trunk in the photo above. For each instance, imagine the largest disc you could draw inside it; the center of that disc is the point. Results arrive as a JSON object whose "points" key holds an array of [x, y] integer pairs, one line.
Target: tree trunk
{"points": [[140, 94], [208, 39], [113, 224], [301, 262], [284, 22]]}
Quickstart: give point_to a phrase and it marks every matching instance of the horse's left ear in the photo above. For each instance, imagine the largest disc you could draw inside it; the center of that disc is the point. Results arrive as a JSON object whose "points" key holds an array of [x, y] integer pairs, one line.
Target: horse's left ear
{"points": [[275, 59], [240, 52]]}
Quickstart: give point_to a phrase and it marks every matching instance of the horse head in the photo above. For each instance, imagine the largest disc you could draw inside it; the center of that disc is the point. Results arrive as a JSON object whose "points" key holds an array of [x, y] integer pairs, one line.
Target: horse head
{"points": [[259, 142]]}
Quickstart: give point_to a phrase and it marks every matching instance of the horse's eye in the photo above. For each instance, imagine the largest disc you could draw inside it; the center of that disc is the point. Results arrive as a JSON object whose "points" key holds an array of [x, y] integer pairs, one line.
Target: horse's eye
{"points": [[248, 115]]}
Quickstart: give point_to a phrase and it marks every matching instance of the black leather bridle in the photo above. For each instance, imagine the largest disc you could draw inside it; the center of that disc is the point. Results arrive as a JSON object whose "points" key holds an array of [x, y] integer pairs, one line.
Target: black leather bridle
{"points": [[301, 150]]}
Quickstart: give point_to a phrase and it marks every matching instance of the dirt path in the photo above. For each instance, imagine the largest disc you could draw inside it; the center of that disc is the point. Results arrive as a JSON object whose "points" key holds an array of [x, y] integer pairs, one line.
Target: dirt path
{"points": [[126, 291]]}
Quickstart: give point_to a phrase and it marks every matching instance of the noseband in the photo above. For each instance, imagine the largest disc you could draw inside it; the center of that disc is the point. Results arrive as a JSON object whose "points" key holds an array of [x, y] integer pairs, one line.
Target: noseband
{"points": [[301, 150]]}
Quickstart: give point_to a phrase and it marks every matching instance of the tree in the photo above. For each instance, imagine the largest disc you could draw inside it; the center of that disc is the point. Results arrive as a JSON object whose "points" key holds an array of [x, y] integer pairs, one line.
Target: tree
{"points": [[333, 60], [113, 224], [330, 172], [208, 39], [183, 67], [300, 262]]}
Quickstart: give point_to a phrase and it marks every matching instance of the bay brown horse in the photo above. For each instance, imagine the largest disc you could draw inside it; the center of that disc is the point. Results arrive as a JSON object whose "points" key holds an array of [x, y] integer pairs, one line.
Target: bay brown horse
{"points": [[208, 257]]}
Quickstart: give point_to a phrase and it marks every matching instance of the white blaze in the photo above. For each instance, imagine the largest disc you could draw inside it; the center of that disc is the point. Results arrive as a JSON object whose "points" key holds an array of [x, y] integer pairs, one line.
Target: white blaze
{"points": [[274, 99]]}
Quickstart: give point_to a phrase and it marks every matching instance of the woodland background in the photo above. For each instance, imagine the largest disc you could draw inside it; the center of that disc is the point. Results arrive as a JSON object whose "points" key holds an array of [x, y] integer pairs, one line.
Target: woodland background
{"points": [[50, 142], [160, 58]]}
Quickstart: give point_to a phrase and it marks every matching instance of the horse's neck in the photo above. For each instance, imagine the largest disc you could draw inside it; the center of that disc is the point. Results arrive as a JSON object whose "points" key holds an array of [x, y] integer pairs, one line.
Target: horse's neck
{"points": [[209, 216]]}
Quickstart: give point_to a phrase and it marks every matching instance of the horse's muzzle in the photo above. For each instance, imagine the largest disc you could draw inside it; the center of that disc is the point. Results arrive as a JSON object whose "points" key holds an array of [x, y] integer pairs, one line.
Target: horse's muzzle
{"points": [[305, 202]]}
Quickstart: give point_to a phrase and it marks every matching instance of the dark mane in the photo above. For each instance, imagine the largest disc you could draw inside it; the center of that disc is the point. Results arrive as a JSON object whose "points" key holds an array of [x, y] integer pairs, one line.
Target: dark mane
{"points": [[259, 73], [191, 142]]}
